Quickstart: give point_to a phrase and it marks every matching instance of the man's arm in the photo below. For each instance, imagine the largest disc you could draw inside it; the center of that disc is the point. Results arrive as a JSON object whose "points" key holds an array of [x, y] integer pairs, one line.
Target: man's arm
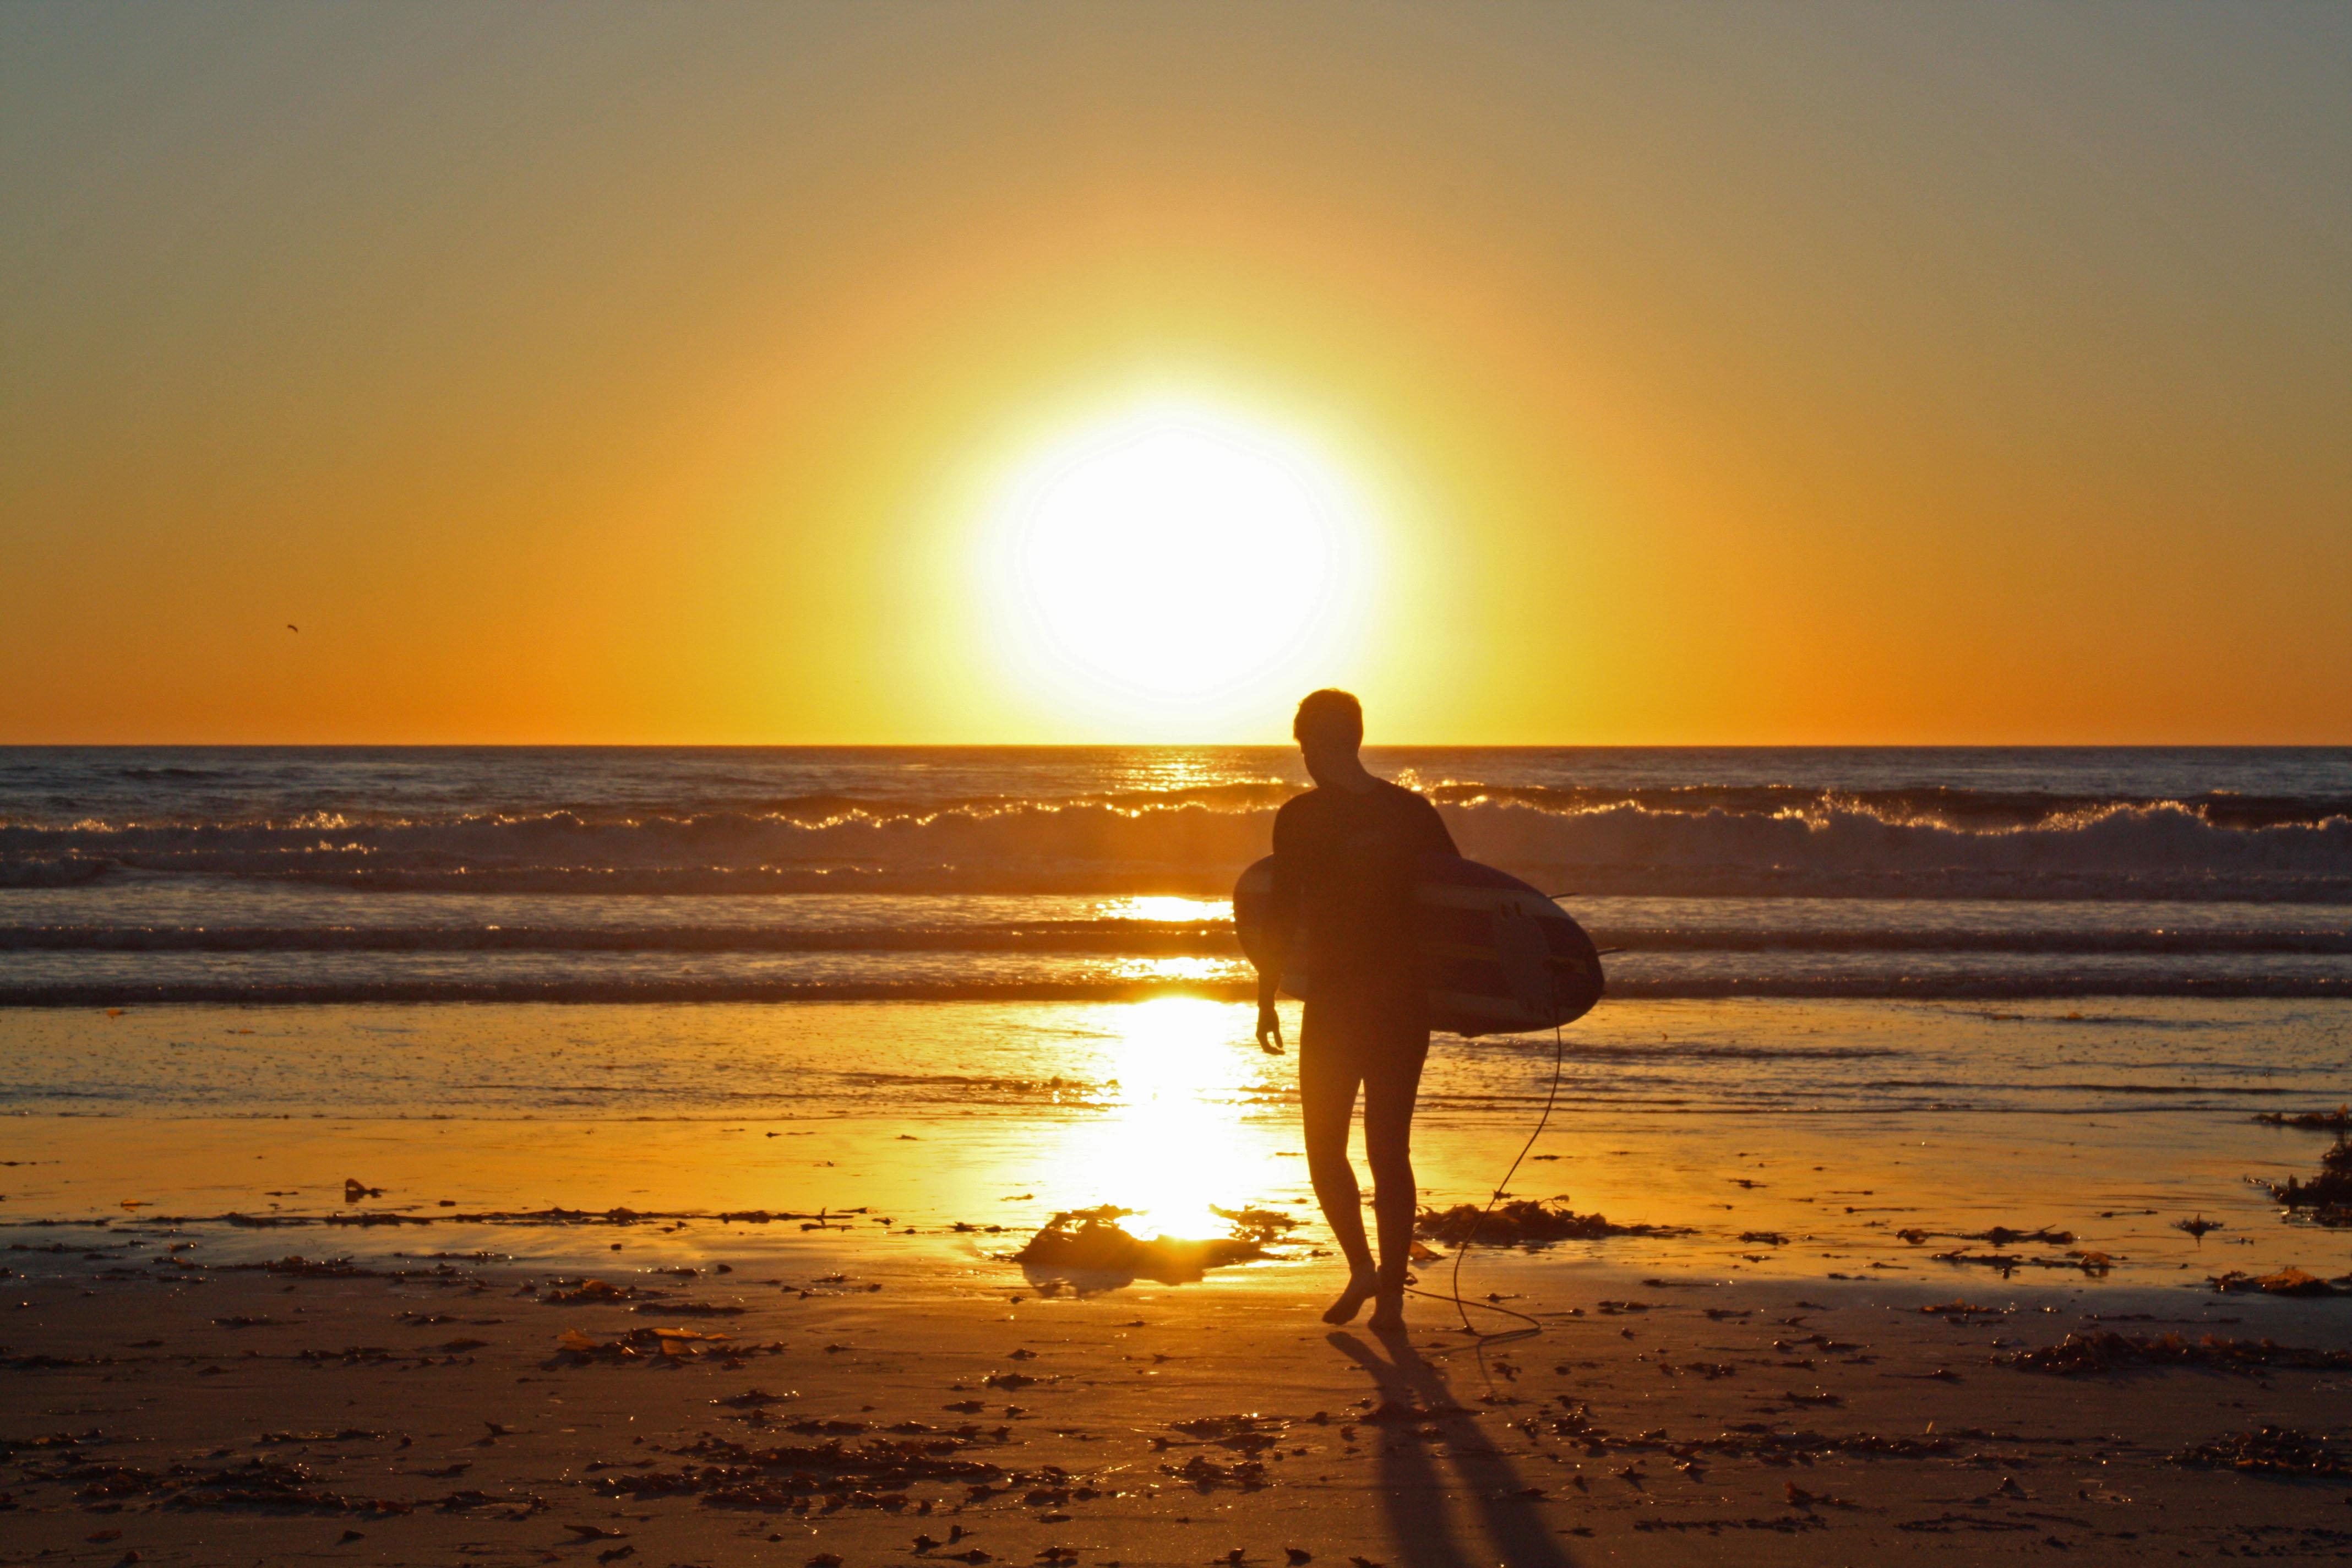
{"points": [[1281, 928]]}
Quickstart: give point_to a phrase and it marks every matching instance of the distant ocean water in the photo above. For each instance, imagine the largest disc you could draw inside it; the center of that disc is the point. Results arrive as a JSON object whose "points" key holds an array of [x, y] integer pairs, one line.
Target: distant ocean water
{"points": [[322, 874]]}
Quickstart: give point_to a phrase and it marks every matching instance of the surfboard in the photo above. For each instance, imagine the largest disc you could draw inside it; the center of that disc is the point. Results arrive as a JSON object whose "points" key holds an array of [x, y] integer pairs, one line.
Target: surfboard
{"points": [[1503, 957]]}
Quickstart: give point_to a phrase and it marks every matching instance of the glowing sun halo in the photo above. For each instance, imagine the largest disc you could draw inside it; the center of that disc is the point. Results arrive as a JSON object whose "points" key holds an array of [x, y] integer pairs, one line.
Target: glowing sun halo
{"points": [[1177, 566]]}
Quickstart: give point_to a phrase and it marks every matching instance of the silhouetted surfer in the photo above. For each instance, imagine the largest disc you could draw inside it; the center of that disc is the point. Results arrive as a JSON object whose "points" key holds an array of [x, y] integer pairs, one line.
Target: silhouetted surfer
{"points": [[1342, 912]]}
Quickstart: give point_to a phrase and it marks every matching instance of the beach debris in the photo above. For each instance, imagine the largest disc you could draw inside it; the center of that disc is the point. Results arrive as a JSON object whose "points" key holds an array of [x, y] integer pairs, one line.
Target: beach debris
{"points": [[1249, 1434], [2288, 1282], [2268, 1451], [2328, 1196], [1525, 1222], [873, 1474], [754, 1399], [1297, 1556], [639, 1345], [2198, 1226], [1748, 1439], [1997, 1236], [578, 1291], [2008, 1263], [1797, 1497], [1092, 1242], [264, 1485], [2339, 1121], [2104, 1350], [596, 1532], [1710, 1370], [1206, 1474], [354, 1190]]}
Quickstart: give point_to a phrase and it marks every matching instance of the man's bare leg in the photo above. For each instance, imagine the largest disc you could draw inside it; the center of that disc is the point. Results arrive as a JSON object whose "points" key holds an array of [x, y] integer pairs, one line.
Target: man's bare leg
{"points": [[1327, 1104], [1390, 1092]]}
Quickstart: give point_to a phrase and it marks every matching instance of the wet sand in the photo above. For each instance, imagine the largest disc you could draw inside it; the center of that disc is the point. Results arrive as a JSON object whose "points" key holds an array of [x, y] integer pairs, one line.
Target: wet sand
{"points": [[860, 1404], [1813, 1359]]}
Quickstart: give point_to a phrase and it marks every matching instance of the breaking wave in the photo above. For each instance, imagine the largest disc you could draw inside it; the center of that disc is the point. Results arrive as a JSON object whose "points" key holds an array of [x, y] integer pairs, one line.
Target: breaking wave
{"points": [[1985, 987], [1703, 842], [1209, 939]]}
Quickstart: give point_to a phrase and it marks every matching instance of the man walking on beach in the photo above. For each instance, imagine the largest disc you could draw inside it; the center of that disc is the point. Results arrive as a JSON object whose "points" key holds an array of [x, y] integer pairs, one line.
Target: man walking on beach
{"points": [[1346, 855]]}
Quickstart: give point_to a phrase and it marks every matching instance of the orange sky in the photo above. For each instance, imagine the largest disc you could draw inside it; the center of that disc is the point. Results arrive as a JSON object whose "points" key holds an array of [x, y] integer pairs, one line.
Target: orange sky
{"points": [[1810, 373]]}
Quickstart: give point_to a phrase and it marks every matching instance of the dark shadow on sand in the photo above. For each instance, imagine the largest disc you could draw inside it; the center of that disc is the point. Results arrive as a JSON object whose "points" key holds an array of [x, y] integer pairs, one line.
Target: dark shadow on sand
{"points": [[1414, 1494]]}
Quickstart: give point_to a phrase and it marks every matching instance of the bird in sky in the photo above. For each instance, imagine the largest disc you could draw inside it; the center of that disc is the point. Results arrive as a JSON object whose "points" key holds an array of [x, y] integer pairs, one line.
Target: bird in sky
{"points": [[292, 627]]}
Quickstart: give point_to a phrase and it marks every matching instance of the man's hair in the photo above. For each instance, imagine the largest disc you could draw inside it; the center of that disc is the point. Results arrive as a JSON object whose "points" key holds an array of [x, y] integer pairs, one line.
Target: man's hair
{"points": [[1330, 712]]}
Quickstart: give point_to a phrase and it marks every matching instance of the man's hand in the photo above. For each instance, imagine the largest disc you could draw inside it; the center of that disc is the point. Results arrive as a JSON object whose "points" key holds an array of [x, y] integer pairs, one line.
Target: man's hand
{"points": [[1269, 1029]]}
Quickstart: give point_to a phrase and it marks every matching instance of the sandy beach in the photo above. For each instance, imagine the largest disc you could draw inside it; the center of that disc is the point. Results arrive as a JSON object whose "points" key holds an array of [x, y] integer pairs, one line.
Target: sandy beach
{"points": [[838, 1400], [805, 1334]]}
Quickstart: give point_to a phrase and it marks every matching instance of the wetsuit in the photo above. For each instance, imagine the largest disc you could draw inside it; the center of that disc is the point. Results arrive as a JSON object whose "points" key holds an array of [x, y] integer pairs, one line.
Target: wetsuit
{"points": [[1345, 865]]}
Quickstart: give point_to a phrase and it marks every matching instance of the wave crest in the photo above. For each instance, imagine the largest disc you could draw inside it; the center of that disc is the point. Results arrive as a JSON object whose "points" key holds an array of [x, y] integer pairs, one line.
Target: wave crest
{"points": [[1810, 843]]}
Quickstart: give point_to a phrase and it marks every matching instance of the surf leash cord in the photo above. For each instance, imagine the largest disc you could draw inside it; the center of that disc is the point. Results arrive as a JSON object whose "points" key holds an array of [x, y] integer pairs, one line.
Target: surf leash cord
{"points": [[1461, 1307]]}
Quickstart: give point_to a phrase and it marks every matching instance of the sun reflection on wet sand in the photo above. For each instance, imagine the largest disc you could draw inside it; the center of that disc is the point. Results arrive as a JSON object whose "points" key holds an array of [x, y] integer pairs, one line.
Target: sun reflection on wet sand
{"points": [[1180, 1139], [969, 1126]]}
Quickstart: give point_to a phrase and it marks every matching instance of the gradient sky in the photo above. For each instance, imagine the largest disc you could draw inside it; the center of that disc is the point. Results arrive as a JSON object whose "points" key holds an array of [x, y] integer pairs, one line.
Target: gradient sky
{"points": [[1714, 373]]}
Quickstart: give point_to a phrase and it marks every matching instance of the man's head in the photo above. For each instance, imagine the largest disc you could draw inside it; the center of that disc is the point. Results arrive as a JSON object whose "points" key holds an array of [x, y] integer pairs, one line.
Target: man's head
{"points": [[1330, 728]]}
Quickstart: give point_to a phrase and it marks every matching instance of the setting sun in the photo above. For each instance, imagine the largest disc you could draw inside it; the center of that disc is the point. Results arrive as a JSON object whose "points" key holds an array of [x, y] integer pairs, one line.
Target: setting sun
{"points": [[1177, 568]]}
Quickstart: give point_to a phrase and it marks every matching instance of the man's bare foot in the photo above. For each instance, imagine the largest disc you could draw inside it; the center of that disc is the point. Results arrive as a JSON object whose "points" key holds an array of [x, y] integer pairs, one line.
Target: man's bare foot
{"points": [[1390, 1313], [1351, 1300]]}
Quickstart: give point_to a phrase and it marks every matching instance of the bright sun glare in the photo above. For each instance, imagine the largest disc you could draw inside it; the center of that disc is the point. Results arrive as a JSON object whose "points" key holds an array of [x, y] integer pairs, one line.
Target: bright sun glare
{"points": [[1178, 567], [1182, 1143]]}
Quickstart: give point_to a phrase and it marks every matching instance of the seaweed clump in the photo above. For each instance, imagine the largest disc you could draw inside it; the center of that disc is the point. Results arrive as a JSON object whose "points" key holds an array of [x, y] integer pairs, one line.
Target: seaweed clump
{"points": [[1092, 1241], [2103, 1350], [266, 1485], [2285, 1283], [2328, 1196], [875, 1473], [1525, 1223], [2339, 1121], [2269, 1451]]}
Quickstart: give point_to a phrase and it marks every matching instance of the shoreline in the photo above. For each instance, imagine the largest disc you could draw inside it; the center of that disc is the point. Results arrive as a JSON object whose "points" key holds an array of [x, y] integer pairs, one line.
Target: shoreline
{"points": [[1786, 1370]]}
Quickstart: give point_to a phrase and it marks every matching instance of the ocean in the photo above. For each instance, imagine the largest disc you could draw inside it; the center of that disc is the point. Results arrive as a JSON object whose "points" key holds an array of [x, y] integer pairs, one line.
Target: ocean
{"points": [[1990, 987], [604, 875]]}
